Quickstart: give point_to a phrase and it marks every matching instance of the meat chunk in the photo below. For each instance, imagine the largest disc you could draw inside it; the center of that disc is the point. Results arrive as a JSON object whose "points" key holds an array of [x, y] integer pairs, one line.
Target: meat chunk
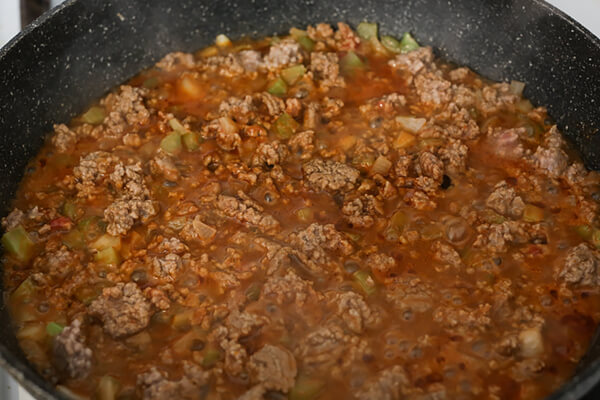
{"points": [[288, 289], [228, 137], [580, 267], [155, 385], [496, 237], [269, 154], [71, 355], [496, 97], [282, 54], [274, 367], [167, 267], [196, 230], [163, 164], [387, 385], [122, 214], [251, 60], [462, 320], [446, 254], [240, 110], [419, 200], [550, 157], [125, 109], [433, 89], [176, 60], [454, 156], [354, 311], [302, 144], [507, 142], [92, 172], [329, 175], [409, 294], [122, 309], [431, 166], [361, 212], [504, 200], [246, 211], [63, 138], [326, 69], [414, 62], [274, 105], [316, 238], [12, 220]]}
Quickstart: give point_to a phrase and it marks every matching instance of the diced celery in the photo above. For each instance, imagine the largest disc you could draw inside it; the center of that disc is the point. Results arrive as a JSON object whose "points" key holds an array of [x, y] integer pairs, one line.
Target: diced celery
{"points": [[408, 43], [367, 30], [176, 125], [108, 256], [105, 241], [351, 63], [285, 126], [293, 74], [306, 388], [53, 328], [297, 33], [94, 116], [70, 210], [191, 141], [391, 43], [307, 43], [211, 357], [18, 243], [365, 282], [585, 231], [108, 388], [171, 143], [533, 213], [253, 292], [151, 82], [24, 291], [278, 87], [305, 214]]}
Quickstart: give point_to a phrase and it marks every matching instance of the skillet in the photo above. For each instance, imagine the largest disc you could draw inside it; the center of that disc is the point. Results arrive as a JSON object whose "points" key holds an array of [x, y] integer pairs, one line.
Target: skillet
{"points": [[77, 52]]}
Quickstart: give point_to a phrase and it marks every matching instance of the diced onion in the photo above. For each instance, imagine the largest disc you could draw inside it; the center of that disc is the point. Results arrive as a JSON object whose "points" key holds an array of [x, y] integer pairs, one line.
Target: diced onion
{"points": [[517, 87], [411, 124], [222, 41], [381, 165]]}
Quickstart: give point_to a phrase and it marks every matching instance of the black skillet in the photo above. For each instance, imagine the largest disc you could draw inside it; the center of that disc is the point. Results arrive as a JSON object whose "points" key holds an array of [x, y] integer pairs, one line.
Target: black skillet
{"points": [[77, 52]]}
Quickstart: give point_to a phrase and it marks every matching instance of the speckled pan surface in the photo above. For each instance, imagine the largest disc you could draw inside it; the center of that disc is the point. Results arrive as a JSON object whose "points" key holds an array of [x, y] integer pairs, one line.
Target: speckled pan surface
{"points": [[80, 50]]}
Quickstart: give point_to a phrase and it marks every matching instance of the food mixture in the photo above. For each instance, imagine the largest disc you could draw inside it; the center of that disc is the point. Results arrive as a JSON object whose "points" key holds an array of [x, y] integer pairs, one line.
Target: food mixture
{"points": [[331, 214]]}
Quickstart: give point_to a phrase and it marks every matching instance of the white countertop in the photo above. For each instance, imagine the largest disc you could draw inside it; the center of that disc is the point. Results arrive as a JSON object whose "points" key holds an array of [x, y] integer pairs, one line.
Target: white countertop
{"points": [[587, 12]]}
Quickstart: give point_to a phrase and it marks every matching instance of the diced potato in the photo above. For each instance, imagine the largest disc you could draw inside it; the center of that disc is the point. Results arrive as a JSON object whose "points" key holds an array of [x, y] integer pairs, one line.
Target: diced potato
{"points": [[109, 256], [105, 241]]}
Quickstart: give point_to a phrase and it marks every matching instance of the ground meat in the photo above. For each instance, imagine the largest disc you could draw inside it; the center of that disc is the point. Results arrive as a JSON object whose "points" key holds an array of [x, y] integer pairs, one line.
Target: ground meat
{"points": [[312, 116], [409, 294], [361, 212], [382, 264], [155, 385], [228, 140], [462, 320], [329, 175], [414, 61], [92, 171], [122, 214], [433, 89], [269, 154], [125, 109], [12, 220], [446, 254], [387, 385], [495, 97], [129, 180], [274, 367], [196, 230], [227, 65], [385, 105], [454, 156], [331, 107], [284, 53], [550, 157], [246, 211], [326, 69], [496, 237], [176, 60], [316, 238], [504, 200], [345, 38], [293, 107], [580, 267], [354, 311], [63, 138], [167, 267], [251, 60], [459, 74], [419, 200], [274, 105], [58, 263], [431, 166], [527, 369], [241, 324], [507, 142], [302, 144], [122, 309], [321, 32], [288, 289], [240, 110], [71, 355]]}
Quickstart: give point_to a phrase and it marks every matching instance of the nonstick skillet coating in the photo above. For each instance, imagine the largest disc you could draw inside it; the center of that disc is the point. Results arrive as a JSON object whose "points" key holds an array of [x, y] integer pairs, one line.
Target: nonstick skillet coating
{"points": [[75, 53]]}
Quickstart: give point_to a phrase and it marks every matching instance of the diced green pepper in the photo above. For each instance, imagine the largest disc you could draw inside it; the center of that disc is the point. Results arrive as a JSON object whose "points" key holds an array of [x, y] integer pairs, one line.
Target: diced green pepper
{"points": [[306, 388], [191, 141], [211, 356], [351, 63], [585, 231], [74, 240], [151, 83], [109, 256], [94, 116], [53, 329], [367, 30], [278, 87], [391, 43], [293, 74], [307, 43], [365, 282], [253, 292], [171, 143], [108, 388], [408, 43], [285, 126], [18, 244]]}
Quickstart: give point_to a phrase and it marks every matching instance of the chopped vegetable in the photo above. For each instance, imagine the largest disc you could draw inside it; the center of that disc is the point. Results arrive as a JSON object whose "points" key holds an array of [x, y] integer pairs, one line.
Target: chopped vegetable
{"points": [[391, 43], [365, 282], [140, 340], [151, 82], [306, 388], [307, 43], [524, 106], [431, 232], [91, 227], [285, 126], [347, 142], [177, 126], [293, 74], [404, 140], [191, 141], [108, 388], [25, 290], [585, 231], [408, 43], [70, 210], [108, 256], [596, 238], [297, 33], [363, 160], [105, 241], [189, 88], [211, 356], [381, 166], [94, 116], [517, 87], [411, 124], [367, 30], [222, 41], [18, 243], [277, 88], [32, 331], [53, 328], [533, 213], [182, 320], [351, 63], [228, 125], [253, 292], [398, 221], [305, 214], [171, 143]]}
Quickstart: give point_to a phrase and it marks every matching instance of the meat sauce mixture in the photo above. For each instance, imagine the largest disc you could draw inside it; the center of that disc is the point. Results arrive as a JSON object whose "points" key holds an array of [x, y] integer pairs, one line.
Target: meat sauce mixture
{"points": [[329, 214]]}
